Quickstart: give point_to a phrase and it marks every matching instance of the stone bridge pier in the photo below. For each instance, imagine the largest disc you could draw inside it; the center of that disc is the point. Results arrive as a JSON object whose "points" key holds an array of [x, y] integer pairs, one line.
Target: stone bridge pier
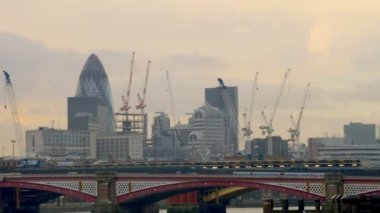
{"points": [[106, 201]]}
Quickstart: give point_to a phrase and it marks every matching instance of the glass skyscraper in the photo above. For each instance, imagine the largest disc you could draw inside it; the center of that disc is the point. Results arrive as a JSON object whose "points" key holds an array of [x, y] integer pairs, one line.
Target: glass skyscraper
{"points": [[91, 108]]}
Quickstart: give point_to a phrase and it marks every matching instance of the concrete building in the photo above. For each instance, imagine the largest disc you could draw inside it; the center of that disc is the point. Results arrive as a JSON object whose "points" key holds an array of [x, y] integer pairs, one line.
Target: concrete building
{"points": [[361, 134], [207, 134], [214, 97], [162, 135], [259, 148], [60, 143], [119, 147], [367, 154], [91, 108], [315, 143]]}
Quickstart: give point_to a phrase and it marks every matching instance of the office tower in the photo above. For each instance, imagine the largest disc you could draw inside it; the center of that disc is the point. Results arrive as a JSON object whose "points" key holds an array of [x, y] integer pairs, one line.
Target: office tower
{"points": [[361, 134], [213, 96], [208, 132], [91, 108]]}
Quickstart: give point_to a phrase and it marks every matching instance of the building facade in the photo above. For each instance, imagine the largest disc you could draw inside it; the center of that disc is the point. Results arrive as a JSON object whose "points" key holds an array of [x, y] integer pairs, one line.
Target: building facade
{"points": [[361, 134], [213, 96], [91, 108], [367, 154], [315, 143], [116, 147], [258, 147], [207, 134], [48, 142]]}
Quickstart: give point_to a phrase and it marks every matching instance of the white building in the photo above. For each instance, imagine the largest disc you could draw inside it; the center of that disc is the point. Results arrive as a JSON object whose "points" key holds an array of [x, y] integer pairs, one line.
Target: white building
{"points": [[119, 146], [208, 132], [58, 143], [369, 155]]}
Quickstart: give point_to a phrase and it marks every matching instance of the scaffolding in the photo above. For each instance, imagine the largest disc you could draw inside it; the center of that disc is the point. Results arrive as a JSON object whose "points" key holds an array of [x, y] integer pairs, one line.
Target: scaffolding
{"points": [[132, 122]]}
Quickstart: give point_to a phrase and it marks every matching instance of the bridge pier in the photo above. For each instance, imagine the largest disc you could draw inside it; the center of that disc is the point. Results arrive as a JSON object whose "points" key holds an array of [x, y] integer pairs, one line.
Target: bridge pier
{"points": [[333, 184], [106, 201]]}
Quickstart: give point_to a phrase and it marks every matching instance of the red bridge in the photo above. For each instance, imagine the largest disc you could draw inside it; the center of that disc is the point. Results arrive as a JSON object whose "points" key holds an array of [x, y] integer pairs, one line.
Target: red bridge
{"points": [[108, 190]]}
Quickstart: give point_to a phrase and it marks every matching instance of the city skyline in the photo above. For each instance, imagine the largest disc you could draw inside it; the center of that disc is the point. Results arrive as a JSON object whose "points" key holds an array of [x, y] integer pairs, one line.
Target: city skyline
{"points": [[333, 45]]}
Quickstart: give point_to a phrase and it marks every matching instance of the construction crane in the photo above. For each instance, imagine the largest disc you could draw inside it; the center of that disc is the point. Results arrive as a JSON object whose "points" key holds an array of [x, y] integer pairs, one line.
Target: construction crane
{"points": [[295, 131], [125, 100], [176, 133], [247, 131], [268, 127], [11, 101], [171, 97], [230, 111], [141, 106]]}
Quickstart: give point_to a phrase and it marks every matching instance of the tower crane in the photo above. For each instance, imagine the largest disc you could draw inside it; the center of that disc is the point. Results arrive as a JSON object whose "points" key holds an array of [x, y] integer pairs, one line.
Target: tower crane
{"points": [[233, 123], [125, 100], [268, 127], [295, 131], [171, 97], [141, 106], [247, 131], [11, 100], [176, 133]]}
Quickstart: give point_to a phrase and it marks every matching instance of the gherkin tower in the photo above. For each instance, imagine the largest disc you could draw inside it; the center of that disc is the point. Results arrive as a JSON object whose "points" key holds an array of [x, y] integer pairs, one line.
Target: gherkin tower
{"points": [[91, 108]]}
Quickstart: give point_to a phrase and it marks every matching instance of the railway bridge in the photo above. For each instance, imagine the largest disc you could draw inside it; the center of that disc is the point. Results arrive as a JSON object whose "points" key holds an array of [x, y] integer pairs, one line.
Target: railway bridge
{"points": [[113, 192]]}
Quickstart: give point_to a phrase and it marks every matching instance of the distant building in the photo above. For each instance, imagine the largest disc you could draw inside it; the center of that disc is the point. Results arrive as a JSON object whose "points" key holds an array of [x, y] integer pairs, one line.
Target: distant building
{"points": [[60, 143], [166, 141], [207, 134], [259, 148], [214, 97], [367, 154], [361, 134], [161, 132], [315, 143], [91, 108], [119, 147]]}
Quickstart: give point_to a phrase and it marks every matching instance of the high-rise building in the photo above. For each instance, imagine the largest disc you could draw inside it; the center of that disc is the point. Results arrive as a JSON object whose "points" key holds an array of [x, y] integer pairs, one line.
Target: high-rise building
{"points": [[213, 96], [161, 134], [91, 108], [208, 132], [361, 134]]}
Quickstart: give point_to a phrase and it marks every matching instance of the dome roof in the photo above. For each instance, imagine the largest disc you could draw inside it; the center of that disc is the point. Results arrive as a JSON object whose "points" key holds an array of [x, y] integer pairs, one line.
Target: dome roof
{"points": [[93, 66], [93, 80], [207, 111]]}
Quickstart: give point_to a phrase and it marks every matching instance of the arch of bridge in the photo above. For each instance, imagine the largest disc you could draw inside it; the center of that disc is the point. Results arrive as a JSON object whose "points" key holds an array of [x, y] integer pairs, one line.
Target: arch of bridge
{"points": [[50, 188], [158, 192]]}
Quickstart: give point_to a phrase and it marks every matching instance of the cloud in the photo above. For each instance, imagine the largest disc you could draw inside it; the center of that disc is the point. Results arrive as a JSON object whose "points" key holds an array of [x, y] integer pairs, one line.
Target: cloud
{"points": [[195, 62], [320, 37], [364, 92]]}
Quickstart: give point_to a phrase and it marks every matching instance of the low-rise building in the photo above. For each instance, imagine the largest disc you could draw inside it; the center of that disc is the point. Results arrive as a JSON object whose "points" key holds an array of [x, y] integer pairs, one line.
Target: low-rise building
{"points": [[369, 155], [59, 143], [119, 147], [258, 148], [316, 142]]}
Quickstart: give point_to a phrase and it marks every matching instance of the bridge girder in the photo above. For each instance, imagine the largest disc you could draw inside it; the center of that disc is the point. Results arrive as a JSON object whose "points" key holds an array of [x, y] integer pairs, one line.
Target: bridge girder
{"points": [[178, 188]]}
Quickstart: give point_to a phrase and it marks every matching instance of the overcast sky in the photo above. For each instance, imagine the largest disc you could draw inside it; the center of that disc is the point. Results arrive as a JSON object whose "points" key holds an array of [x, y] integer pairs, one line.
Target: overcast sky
{"points": [[335, 45]]}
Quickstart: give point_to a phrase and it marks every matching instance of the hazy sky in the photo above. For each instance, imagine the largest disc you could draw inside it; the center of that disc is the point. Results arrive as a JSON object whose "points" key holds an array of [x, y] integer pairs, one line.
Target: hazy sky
{"points": [[335, 45]]}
